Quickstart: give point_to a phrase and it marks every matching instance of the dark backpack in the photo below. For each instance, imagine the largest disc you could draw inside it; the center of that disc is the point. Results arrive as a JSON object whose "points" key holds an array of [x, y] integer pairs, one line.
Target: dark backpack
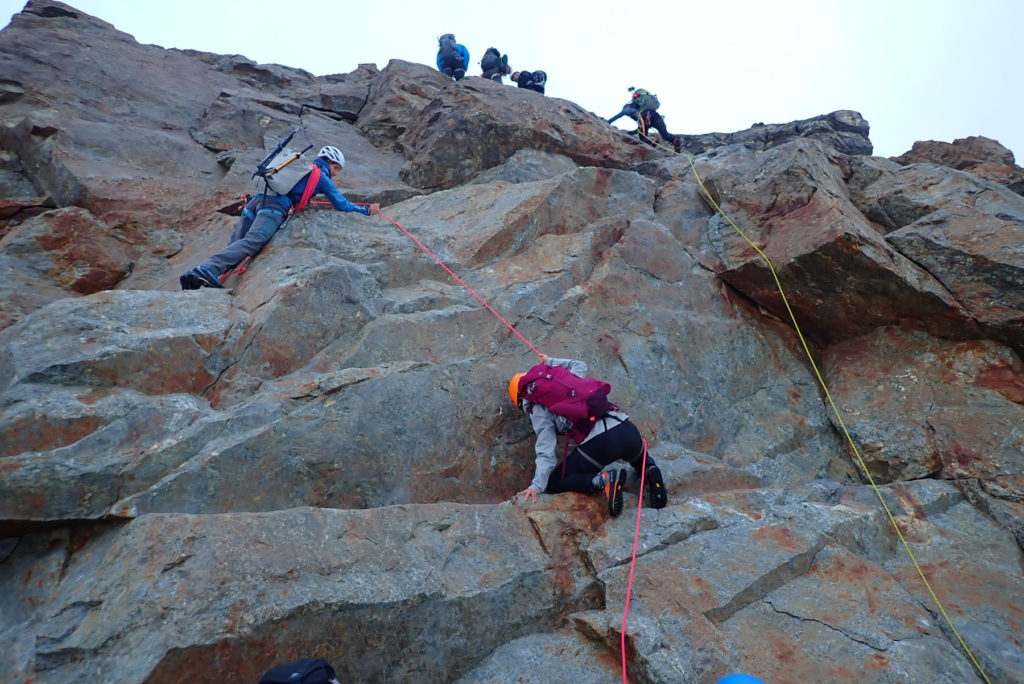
{"points": [[494, 61], [304, 671], [449, 51], [645, 100], [539, 78], [580, 400]]}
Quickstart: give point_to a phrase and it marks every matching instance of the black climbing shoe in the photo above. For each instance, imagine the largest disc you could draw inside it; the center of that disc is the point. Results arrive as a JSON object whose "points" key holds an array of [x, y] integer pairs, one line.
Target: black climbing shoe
{"points": [[656, 487], [190, 281], [199, 277], [208, 277]]}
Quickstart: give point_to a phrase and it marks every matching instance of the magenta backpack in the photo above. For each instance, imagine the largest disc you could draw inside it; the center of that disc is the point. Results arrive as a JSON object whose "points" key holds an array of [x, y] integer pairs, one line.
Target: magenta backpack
{"points": [[580, 400]]}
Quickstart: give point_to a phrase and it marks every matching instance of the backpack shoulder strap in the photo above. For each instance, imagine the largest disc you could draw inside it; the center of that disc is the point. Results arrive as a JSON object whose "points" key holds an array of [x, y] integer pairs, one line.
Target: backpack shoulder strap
{"points": [[307, 192]]}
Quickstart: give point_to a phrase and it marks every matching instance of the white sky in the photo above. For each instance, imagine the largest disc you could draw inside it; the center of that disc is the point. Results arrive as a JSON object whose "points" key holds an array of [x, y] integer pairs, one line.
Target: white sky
{"points": [[916, 69]]}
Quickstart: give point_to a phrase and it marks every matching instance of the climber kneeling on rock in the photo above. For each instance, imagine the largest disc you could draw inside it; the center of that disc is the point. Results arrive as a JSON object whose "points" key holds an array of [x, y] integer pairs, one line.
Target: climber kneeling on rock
{"points": [[560, 400], [267, 211]]}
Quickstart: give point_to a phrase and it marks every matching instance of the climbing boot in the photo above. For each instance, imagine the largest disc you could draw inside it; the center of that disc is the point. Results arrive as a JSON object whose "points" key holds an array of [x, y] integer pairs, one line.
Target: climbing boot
{"points": [[656, 493], [208, 277], [199, 277], [611, 484], [190, 281]]}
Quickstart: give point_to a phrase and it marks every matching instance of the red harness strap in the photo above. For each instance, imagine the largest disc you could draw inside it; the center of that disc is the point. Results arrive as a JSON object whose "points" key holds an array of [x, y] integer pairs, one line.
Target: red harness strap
{"points": [[307, 193]]}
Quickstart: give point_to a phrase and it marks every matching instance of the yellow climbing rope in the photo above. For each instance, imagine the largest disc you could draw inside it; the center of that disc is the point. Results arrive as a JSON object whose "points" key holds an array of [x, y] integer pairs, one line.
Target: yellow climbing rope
{"points": [[828, 395]]}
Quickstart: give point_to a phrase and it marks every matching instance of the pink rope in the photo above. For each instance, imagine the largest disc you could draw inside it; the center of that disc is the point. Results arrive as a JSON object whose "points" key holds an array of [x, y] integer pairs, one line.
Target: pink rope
{"points": [[632, 562], [241, 269], [461, 282]]}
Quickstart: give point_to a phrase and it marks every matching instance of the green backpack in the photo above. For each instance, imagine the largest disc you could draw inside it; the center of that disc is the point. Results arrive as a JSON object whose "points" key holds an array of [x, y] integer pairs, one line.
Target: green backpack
{"points": [[645, 100]]}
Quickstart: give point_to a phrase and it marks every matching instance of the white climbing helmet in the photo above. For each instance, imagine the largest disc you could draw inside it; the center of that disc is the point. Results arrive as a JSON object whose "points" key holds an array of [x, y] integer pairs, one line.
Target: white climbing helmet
{"points": [[332, 154]]}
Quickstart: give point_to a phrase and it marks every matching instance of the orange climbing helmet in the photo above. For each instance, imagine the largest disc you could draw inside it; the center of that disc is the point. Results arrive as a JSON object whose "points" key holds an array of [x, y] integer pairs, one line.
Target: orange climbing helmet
{"points": [[513, 388]]}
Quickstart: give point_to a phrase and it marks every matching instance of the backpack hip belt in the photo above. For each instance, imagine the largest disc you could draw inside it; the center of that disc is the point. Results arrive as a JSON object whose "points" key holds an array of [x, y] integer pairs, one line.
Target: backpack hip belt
{"points": [[584, 454]]}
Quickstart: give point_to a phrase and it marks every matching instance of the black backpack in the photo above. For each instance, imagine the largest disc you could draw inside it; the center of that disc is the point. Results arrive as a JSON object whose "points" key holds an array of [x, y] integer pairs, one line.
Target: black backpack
{"points": [[539, 78], [304, 671], [494, 61], [449, 51]]}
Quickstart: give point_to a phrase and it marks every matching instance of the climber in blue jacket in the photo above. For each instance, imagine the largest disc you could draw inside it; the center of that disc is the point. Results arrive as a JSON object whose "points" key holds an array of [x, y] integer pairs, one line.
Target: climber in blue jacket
{"points": [[452, 57], [265, 213]]}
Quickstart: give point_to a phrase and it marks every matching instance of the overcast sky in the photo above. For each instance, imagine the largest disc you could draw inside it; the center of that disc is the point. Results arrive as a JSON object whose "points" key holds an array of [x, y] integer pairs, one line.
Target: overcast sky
{"points": [[916, 70]]}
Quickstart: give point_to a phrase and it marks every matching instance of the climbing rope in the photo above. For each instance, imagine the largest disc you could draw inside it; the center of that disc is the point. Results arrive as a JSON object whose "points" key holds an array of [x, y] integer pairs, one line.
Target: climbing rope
{"points": [[449, 271], [461, 282], [242, 267], [632, 561], [835, 410]]}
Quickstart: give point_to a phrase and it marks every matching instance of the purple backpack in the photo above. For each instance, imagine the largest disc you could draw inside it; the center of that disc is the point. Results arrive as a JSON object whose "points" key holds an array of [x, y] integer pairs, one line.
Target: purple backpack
{"points": [[580, 400]]}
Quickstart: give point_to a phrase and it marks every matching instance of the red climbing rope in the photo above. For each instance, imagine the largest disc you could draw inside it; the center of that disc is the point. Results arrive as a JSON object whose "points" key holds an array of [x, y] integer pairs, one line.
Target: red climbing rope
{"points": [[241, 269], [461, 282], [632, 562]]}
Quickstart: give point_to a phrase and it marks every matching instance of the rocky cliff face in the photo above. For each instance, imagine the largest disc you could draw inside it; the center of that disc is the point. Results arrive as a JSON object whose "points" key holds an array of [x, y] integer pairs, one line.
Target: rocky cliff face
{"points": [[318, 461]]}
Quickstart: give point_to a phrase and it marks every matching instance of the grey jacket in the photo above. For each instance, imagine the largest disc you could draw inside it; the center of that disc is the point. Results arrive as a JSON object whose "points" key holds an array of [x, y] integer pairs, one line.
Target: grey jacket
{"points": [[548, 426]]}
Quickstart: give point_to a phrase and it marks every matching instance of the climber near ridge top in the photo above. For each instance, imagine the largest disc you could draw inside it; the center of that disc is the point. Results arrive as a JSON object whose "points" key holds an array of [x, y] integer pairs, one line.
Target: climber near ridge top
{"points": [[494, 65], [266, 212], [560, 400], [643, 108], [531, 80], [452, 57]]}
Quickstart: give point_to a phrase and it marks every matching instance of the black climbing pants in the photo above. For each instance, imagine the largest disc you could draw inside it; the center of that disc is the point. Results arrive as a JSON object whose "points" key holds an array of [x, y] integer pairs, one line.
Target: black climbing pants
{"points": [[620, 443], [649, 119]]}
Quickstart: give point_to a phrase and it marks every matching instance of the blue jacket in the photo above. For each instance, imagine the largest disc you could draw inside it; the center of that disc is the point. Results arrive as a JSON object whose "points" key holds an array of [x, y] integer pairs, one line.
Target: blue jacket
{"points": [[323, 187], [463, 55]]}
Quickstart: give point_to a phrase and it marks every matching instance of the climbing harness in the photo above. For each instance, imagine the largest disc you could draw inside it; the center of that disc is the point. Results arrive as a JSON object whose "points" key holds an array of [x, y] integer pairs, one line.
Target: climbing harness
{"points": [[835, 410]]}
